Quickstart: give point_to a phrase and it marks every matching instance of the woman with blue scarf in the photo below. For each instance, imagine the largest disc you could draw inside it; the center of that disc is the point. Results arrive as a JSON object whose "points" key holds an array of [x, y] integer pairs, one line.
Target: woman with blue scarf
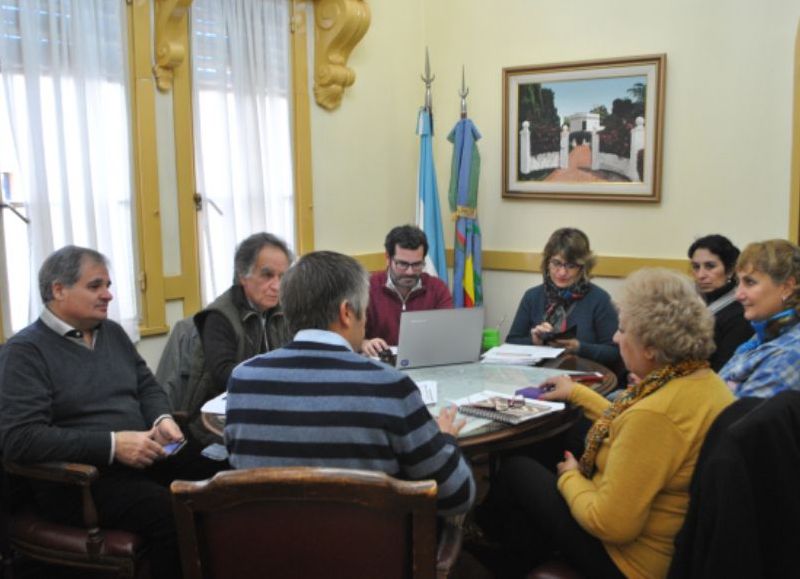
{"points": [[567, 310], [769, 293]]}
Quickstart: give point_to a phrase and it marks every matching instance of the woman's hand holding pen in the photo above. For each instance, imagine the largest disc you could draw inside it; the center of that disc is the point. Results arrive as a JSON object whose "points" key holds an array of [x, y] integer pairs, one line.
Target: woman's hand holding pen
{"points": [[557, 388]]}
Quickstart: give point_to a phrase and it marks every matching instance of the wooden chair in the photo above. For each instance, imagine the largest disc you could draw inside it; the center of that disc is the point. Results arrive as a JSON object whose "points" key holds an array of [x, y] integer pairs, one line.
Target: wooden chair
{"points": [[310, 522], [87, 547]]}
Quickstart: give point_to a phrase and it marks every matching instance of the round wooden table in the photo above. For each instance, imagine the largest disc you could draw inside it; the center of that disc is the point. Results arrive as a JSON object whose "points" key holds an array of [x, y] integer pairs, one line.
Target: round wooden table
{"points": [[498, 437]]}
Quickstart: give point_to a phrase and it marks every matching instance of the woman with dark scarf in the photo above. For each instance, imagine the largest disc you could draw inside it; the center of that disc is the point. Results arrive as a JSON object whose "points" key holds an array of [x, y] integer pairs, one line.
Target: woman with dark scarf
{"points": [[768, 290], [713, 262], [616, 510], [568, 302]]}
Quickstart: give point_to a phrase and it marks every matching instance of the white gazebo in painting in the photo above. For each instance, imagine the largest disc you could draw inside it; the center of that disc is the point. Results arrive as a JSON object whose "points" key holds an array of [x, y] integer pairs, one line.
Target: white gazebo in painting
{"points": [[584, 122]]}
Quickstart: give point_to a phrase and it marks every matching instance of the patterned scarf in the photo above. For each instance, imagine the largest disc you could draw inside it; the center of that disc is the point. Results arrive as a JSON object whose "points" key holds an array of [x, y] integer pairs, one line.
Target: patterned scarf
{"points": [[635, 392], [561, 300], [770, 329]]}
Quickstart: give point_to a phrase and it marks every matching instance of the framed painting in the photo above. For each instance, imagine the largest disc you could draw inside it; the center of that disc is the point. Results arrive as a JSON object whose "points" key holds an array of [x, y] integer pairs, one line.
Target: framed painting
{"points": [[584, 130]]}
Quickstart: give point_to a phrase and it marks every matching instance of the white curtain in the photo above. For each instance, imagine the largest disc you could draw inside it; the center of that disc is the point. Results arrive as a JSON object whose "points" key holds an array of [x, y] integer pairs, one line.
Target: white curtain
{"points": [[243, 150], [64, 141]]}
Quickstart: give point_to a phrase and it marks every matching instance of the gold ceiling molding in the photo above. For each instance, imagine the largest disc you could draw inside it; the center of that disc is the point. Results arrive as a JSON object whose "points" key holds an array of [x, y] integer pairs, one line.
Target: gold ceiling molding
{"points": [[170, 39], [340, 25]]}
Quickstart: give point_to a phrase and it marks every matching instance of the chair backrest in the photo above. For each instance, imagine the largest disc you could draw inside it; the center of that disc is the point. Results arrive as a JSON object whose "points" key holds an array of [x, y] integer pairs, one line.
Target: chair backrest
{"points": [[306, 522], [744, 506], [175, 364]]}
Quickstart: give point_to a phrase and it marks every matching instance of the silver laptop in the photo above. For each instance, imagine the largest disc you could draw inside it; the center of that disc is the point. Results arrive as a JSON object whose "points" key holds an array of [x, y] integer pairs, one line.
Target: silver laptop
{"points": [[437, 337]]}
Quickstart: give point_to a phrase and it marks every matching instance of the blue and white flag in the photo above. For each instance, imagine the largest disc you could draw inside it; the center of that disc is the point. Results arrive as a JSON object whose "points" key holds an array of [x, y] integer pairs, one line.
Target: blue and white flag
{"points": [[429, 217]]}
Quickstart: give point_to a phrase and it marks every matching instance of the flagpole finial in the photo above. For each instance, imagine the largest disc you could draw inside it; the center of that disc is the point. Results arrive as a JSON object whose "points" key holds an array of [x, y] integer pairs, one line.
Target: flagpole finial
{"points": [[428, 79], [463, 94]]}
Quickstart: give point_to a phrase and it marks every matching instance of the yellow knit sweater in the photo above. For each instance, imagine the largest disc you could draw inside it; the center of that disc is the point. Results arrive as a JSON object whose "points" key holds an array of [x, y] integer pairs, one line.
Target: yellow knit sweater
{"points": [[637, 499]]}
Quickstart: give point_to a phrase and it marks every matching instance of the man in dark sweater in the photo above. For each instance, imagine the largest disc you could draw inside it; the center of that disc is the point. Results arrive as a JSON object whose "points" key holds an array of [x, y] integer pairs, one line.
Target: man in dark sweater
{"points": [[317, 402], [73, 388]]}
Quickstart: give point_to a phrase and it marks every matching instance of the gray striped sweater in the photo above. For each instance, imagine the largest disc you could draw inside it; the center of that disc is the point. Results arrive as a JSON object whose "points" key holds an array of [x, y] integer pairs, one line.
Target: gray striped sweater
{"points": [[318, 404]]}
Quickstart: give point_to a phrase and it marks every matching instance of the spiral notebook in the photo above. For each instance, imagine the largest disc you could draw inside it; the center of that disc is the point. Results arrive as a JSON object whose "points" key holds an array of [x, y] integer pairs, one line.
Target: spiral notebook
{"points": [[504, 408]]}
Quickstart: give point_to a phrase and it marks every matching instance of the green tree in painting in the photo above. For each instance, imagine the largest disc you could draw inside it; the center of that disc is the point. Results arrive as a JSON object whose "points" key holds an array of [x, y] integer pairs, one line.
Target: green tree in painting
{"points": [[602, 111], [639, 92], [537, 106], [616, 138]]}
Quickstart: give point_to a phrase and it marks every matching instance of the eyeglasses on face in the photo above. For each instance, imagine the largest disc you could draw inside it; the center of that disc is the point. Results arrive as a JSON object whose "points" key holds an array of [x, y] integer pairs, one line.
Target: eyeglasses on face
{"points": [[556, 264], [405, 265], [505, 403]]}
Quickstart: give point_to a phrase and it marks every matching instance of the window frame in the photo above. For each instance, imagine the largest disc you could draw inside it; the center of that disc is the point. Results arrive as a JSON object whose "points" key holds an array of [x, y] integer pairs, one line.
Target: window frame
{"points": [[152, 311], [185, 286], [154, 287], [138, 29]]}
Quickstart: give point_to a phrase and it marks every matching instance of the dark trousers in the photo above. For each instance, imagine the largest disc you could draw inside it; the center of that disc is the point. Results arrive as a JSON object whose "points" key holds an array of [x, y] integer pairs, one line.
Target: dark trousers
{"points": [[527, 514], [138, 501]]}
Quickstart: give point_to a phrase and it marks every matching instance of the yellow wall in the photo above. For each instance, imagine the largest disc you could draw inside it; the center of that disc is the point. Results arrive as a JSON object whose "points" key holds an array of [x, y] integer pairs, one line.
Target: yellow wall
{"points": [[365, 152], [727, 125], [727, 129], [727, 139]]}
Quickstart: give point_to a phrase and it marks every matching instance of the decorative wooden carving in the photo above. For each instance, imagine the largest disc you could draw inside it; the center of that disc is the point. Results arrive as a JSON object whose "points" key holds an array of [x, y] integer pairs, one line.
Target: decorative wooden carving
{"points": [[170, 40], [340, 24]]}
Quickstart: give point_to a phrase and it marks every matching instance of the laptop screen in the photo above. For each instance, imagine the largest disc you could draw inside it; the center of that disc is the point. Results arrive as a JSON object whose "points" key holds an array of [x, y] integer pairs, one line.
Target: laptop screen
{"points": [[437, 337]]}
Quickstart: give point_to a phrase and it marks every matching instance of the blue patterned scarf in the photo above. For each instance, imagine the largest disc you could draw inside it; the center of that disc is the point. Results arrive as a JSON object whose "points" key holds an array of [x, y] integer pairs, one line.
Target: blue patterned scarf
{"points": [[770, 329]]}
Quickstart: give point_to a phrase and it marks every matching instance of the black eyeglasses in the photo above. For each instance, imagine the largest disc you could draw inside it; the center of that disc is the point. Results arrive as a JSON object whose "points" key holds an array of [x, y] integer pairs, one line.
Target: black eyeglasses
{"points": [[405, 265], [506, 403], [556, 264], [502, 403]]}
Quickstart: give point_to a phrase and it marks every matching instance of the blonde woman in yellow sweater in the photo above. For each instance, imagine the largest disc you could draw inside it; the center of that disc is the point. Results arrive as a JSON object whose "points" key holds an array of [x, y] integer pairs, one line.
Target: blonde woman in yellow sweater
{"points": [[622, 503]]}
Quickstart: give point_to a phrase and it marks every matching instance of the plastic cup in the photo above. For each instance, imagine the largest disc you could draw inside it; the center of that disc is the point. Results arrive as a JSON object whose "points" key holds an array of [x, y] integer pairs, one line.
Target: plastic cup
{"points": [[491, 338]]}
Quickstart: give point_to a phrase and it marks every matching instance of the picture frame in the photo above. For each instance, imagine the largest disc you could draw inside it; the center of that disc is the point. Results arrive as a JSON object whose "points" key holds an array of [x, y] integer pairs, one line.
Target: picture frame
{"points": [[589, 131]]}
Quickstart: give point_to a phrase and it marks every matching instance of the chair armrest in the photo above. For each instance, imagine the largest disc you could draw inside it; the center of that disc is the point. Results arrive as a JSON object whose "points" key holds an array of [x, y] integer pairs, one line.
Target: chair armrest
{"points": [[72, 473], [449, 548]]}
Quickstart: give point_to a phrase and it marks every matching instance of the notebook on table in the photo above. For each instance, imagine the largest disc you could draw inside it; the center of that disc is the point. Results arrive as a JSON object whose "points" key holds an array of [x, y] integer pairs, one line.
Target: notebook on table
{"points": [[504, 408], [438, 337]]}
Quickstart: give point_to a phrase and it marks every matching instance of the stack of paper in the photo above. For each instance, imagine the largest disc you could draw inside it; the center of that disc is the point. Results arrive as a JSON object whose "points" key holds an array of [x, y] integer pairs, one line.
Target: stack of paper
{"points": [[518, 355], [216, 405], [428, 390]]}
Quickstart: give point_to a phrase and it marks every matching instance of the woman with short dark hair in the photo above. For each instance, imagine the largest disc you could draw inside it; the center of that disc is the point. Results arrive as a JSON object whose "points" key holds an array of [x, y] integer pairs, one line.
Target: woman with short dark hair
{"points": [[568, 310], [713, 260]]}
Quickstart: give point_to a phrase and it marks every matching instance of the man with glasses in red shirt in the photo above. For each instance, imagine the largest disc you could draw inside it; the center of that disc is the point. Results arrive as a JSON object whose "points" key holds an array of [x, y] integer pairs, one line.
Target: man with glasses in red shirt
{"points": [[403, 286]]}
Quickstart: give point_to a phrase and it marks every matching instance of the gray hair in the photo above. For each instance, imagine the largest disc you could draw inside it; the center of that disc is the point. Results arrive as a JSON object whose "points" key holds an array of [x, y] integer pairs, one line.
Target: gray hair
{"points": [[663, 311], [64, 266], [248, 250], [313, 289]]}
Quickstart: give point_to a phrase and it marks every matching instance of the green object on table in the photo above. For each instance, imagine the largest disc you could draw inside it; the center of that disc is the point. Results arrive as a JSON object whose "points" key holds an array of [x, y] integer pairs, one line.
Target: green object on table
{"points": [[491, 338]]}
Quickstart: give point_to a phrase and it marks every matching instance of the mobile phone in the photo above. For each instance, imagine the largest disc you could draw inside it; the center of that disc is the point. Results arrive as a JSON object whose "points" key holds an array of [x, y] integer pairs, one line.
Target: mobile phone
{"points": [[173, 447], [568, 334], [534, 392]]}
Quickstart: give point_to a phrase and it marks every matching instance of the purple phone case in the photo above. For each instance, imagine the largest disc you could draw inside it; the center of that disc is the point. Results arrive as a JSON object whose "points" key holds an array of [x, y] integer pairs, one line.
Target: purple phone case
{"points": [[532, 392]]}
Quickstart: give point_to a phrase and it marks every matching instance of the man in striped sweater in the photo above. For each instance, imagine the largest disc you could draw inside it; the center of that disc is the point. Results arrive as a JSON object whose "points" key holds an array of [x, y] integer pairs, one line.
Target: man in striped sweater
{"points": [[316, 402]]}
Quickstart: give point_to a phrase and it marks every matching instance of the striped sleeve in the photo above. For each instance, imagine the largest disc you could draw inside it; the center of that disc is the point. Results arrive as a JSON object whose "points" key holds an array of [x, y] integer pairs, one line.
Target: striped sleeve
{"points": [[424, 452]]}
